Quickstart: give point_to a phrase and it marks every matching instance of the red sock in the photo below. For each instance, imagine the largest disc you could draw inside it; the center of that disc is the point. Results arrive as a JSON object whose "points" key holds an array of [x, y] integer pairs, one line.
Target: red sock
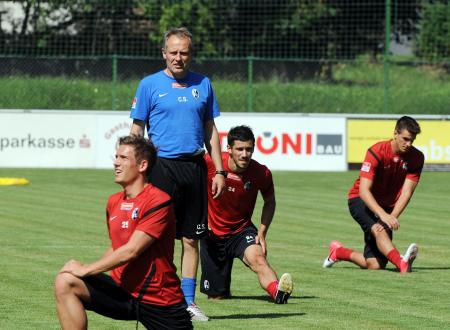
{"points": [[343, 254], [394, 257], [272, 289]]}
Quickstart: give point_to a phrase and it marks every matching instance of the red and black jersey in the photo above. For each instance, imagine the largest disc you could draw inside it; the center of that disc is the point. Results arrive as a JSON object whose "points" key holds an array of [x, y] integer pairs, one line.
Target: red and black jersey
{"points": [[388, 172], [152, 276], [232, 212]]}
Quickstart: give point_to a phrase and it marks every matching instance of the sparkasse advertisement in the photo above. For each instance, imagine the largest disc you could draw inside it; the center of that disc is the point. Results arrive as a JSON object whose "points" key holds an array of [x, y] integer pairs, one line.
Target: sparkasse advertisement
{"points": [[433, 141], [77, 139]]}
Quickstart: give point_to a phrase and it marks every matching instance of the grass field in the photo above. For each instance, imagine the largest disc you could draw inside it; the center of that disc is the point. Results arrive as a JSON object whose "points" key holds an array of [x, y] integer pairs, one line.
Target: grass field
{"points": [[60, 216]]}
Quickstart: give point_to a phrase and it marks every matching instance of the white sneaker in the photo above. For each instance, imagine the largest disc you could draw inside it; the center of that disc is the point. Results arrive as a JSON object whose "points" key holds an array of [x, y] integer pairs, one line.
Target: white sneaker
{"points": [[332, 259], [284, 289], [196, 313], [409, 257]]}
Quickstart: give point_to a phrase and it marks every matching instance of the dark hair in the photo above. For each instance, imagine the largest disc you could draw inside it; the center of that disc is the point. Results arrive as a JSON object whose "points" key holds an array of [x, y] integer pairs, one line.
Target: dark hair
{"points": [[240, 133], [181, 33], [144, 149], [408, 123]]}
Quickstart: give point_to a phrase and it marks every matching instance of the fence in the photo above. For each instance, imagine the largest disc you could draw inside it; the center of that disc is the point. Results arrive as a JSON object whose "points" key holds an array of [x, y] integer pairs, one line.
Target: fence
{"points": [[386, 56]]}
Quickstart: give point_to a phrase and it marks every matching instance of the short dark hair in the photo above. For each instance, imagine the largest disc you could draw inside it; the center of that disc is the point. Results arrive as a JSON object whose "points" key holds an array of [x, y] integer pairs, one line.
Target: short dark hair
{"points": [[240, 133], [181, 33], [144, 149], [408, 123]]}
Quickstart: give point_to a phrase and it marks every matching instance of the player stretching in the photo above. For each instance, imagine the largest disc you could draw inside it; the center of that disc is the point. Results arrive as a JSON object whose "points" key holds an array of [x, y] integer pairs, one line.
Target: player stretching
{"points": [[389, 174], [143, 284], [232, 233]]}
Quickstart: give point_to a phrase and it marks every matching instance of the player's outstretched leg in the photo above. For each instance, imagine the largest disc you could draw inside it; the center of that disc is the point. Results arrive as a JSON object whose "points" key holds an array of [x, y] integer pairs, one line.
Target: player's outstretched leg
{"points": [[408, 258], [284, 289]]}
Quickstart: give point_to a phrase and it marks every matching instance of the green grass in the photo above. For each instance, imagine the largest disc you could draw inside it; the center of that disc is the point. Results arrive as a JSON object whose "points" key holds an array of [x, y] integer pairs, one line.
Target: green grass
{"points": [[60, 216], [357, 87]]}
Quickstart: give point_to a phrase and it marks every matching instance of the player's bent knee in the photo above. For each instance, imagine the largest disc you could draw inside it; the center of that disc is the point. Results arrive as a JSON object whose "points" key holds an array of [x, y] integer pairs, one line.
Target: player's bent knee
{"points": [[190, 243], [64, 283], [373, 265]]}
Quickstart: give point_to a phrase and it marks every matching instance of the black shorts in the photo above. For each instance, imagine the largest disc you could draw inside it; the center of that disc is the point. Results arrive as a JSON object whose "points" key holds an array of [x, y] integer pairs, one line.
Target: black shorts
{"points": [[366, 219], [185, 179], [110, 300], [217, 260]]}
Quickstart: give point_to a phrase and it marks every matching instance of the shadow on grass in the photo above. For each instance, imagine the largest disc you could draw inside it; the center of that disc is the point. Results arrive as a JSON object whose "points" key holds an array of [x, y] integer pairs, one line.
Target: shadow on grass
{"points": [[395, 270], [256, 316], [267, 298], [430, 268]]}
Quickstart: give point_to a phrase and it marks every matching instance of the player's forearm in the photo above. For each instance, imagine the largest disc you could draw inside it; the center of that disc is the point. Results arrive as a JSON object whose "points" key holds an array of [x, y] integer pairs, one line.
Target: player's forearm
{"points": [[401, 204], [111, 260], [267, 214], [137, 128], [371, 203], [212, 144]]}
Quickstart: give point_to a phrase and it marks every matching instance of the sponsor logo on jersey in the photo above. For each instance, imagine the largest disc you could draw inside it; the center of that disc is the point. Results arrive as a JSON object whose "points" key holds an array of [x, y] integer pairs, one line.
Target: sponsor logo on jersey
{"points": [[134, 215], [126, 206], [195, 93], [233, 176], [248, 185], [366, 167], [179, 85], [162, 94], [133, 105]]}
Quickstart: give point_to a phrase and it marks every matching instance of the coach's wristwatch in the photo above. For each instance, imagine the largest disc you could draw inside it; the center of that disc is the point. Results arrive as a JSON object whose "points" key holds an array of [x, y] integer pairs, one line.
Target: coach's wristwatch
{"points": [[224, 173]]}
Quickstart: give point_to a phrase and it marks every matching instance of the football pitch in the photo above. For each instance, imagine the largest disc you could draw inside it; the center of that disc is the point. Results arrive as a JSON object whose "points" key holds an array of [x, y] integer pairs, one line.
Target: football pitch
{"points": [[60, 215]]}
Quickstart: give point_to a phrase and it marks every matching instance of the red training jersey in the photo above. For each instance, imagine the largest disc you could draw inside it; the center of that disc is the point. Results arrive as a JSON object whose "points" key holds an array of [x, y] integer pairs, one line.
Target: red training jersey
{"points": [[232, 212], [151, 277], [388, 172]]}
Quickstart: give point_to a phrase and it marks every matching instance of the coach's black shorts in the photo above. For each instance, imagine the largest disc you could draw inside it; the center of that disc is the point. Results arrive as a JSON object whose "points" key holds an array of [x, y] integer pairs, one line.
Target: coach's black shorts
{"points": [[217, 260], [185, 180], [109, 299], [366, 219]]}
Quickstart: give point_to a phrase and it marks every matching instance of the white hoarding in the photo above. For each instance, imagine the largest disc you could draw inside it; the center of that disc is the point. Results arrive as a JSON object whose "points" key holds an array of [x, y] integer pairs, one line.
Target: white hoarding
{"points": [[83, 139], [293, 142]]}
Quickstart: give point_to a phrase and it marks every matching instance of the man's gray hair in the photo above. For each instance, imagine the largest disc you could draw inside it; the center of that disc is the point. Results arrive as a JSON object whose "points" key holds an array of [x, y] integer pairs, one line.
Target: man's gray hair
{"points": [[181, 33]]}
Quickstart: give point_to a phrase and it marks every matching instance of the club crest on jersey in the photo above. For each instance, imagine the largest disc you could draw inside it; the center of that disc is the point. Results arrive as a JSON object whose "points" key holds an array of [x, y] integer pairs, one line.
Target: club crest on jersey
{"points": [[248, 185], [366, 167], [195, 93], [126, 206], [179, 85], [133, 105], [134, 215], [405, 166]]}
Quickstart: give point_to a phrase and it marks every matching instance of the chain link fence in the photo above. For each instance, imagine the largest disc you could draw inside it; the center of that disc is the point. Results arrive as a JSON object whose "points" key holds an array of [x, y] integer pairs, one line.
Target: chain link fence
{"points": [[379, 56]]}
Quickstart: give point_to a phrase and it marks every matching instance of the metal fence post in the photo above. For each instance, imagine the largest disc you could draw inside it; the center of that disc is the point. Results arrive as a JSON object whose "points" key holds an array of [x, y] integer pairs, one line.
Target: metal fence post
{"points": [[114, 82], [250, 84], [386, 60]]}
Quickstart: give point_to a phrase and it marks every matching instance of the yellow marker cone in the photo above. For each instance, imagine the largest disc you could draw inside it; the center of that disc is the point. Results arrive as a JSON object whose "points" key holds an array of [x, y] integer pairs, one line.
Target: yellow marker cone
{"points": [[13, 181]]}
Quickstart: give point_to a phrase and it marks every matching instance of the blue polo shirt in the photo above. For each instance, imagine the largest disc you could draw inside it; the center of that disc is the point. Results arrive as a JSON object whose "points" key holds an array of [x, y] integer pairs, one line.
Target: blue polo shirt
{"points": [[175, 111]]}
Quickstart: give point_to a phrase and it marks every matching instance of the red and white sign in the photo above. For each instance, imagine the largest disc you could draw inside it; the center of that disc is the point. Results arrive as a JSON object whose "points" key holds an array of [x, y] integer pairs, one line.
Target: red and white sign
{"points": [[292, 142], [87, 139]]}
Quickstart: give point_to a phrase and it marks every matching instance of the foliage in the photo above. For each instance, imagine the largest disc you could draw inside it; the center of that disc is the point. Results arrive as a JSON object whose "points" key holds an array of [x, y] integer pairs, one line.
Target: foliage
{"points": [[318, 29], [433, 40]]}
